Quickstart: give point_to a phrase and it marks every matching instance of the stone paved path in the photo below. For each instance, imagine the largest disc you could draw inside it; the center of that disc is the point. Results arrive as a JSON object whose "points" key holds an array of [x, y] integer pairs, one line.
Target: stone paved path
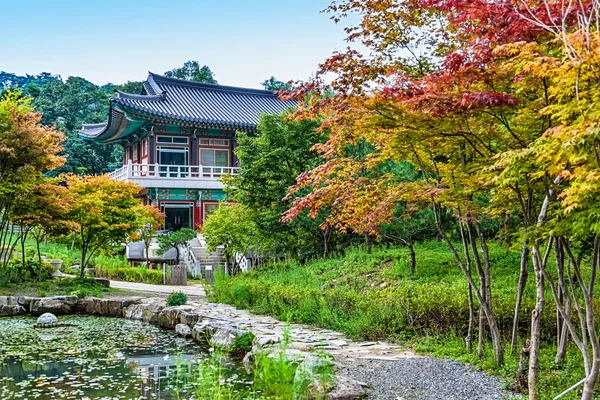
{"points": [[192, 290], [303, 338]]}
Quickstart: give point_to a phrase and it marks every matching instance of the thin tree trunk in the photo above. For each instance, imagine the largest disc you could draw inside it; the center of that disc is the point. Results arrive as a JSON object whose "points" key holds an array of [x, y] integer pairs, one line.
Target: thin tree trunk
{"points": [[522, 370], [469, 337], [481, 274], [523, 274], [82, 266], [563, 300], [536, 326], [588, 295], [23, 238], [413, 257], [325, 235], [37, 244], [536, 315], [369, 243], [495, 332]]}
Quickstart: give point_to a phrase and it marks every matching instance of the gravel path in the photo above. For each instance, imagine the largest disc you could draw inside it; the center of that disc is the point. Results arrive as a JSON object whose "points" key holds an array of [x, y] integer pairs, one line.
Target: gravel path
{"points": [[425, 378]]}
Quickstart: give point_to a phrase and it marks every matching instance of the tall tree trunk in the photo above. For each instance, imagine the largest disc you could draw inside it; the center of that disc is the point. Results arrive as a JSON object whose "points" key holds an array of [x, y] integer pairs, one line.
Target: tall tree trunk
{"points": [[83, 258], [469, 337], [494, 330], [536, 316], [38, 239], [482, 278], [23, 238], [523, 274], [564, 299], [413, 257]]}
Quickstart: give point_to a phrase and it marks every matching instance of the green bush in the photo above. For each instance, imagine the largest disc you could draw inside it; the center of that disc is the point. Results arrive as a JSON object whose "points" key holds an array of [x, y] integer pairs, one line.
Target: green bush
{"points": [[176, 299], [86, 288], [17, 272], [243, 343]]}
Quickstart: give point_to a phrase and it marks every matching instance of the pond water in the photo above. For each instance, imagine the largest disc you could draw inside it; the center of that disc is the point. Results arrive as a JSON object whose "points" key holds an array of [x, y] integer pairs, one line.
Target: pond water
{"points": [[99, 358]]}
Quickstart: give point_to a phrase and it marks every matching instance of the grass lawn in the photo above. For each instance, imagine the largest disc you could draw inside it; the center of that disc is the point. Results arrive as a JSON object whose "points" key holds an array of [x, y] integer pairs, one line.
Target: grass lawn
{"points": [[56, 287]]}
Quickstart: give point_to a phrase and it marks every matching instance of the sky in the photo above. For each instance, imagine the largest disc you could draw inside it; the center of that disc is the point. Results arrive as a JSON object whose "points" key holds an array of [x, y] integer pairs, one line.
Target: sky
{"points": [[243, 42]]}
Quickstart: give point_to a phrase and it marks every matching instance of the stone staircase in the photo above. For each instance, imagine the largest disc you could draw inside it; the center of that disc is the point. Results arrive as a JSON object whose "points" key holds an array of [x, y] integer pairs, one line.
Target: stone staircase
{"points": [[197, 246], [199, 249]]}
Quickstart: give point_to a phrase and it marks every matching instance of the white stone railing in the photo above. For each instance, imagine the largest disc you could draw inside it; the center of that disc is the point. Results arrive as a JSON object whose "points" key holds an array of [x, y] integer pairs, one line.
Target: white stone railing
{"points": [[162, 171]]}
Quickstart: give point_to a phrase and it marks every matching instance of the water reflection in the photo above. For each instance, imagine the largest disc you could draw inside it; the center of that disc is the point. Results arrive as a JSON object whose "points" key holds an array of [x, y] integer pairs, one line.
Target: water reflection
{"points": [[101, 359]]}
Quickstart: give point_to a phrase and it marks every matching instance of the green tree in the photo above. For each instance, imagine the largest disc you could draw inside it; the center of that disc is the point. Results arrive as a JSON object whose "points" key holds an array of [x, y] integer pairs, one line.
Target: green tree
{"points": [[151, 219], [192, 71], [41, 211], [233, 226], [173, 240], [105, 212], [273, 84], [27, 149], [67, 105], [270, 161]]}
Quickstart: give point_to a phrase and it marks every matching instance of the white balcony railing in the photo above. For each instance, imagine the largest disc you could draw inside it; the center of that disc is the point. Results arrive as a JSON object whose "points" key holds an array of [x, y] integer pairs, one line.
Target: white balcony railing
{"points": [[160, 171], [161, 176]]}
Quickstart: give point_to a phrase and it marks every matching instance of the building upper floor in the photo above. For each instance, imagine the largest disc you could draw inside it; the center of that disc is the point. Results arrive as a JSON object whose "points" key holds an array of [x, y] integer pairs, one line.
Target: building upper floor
{"points": [[181, 134]]}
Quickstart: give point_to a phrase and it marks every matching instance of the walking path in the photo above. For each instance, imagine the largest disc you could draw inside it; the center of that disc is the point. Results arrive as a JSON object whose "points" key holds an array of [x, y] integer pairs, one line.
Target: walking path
{"points": [[192, 290]]}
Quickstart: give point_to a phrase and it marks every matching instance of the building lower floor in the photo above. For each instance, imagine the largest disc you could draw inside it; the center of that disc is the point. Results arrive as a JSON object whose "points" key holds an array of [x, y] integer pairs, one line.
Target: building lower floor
{"points": [[184, 208]]}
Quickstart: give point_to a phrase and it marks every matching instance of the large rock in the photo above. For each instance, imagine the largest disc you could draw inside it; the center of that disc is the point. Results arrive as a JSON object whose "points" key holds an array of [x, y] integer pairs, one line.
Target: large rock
{"points": [[310, 375], [134, 311], [59, 305], [103, 281], [11, 310], [8, 300], [169, 316], [183, 330], [216, 333], [151, 312], [345, 388], [114, 307], [188, 318], [266, 340], [224, 338], [205, 328]]}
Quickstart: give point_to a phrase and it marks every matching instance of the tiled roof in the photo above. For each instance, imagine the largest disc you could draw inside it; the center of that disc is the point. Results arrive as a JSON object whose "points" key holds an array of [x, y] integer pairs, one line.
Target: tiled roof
{"points": [[189, 102]]}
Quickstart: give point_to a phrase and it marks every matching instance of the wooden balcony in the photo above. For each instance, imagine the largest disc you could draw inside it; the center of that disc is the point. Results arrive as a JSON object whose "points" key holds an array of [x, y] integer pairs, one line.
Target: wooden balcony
{"points": [[173, 176]]}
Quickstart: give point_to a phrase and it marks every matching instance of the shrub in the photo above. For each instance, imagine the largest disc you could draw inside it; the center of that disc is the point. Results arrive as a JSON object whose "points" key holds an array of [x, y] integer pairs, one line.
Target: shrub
{"points": [[17, 272], [87, 288], [243, 343], [176, 299]]}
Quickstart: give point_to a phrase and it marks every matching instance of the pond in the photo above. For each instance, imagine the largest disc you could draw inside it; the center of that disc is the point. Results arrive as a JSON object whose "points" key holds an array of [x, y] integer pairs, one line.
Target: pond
{"points": [[101, 358]]}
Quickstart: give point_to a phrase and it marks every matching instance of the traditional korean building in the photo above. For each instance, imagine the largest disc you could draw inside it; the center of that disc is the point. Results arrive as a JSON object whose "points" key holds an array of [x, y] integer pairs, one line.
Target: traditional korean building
{"points": [[179, 138]]}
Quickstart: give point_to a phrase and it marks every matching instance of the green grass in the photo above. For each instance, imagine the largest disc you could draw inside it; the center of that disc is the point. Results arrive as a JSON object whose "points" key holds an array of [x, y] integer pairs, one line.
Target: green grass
{"points": [[55, 287], [374, 296], [55, 251], [118, 269]]}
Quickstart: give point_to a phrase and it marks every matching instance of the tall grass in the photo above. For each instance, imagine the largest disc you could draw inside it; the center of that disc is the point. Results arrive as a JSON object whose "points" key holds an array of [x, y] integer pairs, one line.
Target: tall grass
{"points": [[118, 269], [274, 376]]}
